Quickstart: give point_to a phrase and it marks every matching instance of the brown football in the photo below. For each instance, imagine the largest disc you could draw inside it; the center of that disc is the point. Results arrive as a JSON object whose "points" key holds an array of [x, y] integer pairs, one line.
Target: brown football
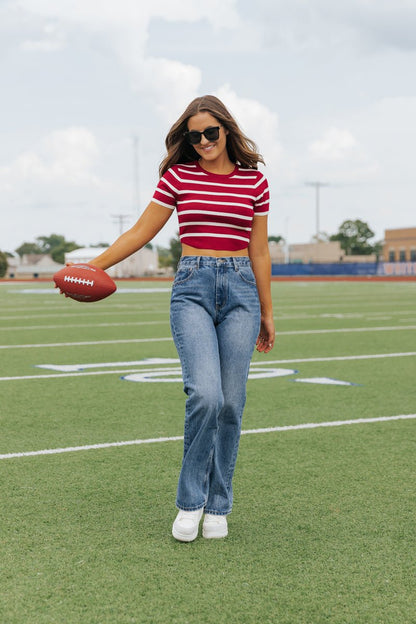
{"points": [[84, 282]]}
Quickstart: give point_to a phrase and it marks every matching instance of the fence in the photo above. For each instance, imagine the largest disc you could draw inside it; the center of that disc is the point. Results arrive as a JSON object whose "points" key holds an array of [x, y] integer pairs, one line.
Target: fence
{"points": [[351, 268]]}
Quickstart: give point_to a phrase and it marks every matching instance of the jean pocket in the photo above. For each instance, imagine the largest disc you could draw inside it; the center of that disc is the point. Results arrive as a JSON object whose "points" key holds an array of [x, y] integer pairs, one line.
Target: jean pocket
{"points": [[183, 274], [247, 275]]}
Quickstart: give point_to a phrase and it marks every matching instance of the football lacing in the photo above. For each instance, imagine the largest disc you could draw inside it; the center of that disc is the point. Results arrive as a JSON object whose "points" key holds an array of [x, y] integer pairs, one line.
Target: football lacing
{"points": [[78, 280]]}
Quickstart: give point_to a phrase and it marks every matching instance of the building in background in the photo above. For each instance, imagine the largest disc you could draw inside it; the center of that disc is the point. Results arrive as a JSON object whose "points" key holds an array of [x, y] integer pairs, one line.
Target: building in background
{"points": [[400, 245], [32, 266], [144, 262], [306, 253]]}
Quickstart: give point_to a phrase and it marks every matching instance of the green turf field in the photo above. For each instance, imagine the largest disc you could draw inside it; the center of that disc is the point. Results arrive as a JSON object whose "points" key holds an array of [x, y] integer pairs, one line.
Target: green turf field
{"points": [[323, 526]]}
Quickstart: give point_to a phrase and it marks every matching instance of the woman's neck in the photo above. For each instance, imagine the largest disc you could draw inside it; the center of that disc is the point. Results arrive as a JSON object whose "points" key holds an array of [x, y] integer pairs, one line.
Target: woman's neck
{"points": [[222, 166]]}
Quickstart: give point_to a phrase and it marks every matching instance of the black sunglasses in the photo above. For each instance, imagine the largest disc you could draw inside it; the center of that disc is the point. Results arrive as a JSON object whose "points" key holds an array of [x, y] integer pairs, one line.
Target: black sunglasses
{"points": [[194, 137]]}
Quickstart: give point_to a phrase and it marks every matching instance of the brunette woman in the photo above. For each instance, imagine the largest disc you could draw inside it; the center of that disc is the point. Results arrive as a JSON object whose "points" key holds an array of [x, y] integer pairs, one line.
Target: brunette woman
{"points": [[221, 304]]}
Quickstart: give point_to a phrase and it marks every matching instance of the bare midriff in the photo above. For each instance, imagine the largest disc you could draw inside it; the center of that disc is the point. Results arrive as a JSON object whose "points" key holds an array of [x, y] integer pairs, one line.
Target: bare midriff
{"points": [[187, 250]]}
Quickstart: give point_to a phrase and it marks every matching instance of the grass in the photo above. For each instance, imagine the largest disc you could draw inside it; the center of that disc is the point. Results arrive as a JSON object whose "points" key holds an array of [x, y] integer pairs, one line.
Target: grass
{"points": [[323, 523]]}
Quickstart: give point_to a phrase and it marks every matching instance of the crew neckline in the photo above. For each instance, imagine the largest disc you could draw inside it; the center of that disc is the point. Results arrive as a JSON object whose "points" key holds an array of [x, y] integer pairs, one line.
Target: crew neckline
{"points": [[220, 175]]}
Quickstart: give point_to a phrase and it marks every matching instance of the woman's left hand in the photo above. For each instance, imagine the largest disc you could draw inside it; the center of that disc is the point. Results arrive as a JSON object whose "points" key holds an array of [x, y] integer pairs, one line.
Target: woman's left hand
{"points": [[265, 340]]}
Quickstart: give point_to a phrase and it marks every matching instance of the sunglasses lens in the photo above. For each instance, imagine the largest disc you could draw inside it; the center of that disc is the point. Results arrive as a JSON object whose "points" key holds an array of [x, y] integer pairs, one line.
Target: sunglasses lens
{"points": [[212, 134], [194, 137]]}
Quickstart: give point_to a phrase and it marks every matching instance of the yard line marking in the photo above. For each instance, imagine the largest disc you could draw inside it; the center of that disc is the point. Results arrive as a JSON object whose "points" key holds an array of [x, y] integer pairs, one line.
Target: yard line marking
{"points": [[86, 343], [342, 358], [286, 333], [343, 330], [332, 423], [115, 311], [73, 368], [137, 309], [89, 447], [122, 371], [254, 363], [78, 325]]}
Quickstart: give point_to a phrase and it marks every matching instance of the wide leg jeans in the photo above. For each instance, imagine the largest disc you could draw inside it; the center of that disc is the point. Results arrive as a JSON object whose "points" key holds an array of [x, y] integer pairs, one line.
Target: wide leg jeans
{"points": [[215, 320]]}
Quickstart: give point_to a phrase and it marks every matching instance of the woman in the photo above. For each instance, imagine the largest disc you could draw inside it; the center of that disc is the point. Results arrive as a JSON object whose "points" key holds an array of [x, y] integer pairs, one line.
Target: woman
{"points": [[221, 301]]}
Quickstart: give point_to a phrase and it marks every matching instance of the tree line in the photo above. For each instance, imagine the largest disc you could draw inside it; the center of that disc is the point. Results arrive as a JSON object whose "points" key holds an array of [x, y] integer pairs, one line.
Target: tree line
{"points": [[354, 237]]}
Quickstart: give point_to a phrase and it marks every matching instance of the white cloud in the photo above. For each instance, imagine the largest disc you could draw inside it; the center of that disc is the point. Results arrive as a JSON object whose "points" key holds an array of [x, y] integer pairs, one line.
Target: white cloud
{"points": [[66, 157], [50, 39], [336, 144], [303, 24], [125, 26], [58, 185]]}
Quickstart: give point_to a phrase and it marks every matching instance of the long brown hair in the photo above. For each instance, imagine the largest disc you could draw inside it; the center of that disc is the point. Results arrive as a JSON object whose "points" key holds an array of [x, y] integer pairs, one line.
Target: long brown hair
{"points": [[239, 147]]}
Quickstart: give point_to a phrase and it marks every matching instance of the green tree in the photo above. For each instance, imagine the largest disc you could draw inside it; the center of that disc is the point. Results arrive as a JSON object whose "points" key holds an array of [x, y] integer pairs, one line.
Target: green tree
{"points": [[3, 264], [321, 237], [165, 258], [353, 237], [28, 248], [378, 248], [55, 245], [175, 248], [169, 256], [275, 239]]}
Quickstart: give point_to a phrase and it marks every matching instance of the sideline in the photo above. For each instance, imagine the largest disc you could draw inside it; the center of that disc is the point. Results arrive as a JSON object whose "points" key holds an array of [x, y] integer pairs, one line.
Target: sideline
{"points": [[89, 447]]}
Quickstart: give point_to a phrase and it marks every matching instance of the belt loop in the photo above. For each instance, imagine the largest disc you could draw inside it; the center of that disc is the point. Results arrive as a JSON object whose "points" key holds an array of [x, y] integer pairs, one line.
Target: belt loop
{"points": [[235, 263], [198, 259]]}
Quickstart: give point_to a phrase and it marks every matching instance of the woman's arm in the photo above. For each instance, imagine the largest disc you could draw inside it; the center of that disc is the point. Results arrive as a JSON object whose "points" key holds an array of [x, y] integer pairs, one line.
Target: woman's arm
{"points": [[260, 261], [149, 224]]}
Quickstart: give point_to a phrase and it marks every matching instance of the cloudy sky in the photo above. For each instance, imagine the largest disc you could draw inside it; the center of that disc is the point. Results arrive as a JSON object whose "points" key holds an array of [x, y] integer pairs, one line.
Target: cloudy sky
{"points": [[89, 89]]}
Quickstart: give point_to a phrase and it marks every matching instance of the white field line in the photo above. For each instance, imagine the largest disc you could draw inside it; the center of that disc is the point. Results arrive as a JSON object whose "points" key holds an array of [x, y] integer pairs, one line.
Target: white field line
{"points": [[345, 330], [83, 325], [163, 322], [86, 343], [342, 358], [362, 317], [122, 371], [89, 447], [113, 312], [254, 363], [369, 316], [301, 332]]}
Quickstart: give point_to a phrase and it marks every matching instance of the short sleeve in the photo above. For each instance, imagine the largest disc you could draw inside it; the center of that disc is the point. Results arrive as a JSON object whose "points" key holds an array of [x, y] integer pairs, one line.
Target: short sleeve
{"points": [[262, 200], [166, 192]]}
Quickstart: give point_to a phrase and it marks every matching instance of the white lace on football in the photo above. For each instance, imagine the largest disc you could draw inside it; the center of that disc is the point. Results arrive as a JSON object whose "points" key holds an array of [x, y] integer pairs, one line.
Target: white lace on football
{"points": [[78, 280]]}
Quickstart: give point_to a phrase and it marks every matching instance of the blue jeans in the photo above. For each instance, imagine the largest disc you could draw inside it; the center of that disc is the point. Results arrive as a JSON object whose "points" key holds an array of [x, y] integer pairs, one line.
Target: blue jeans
{"points": [[215, 320]]}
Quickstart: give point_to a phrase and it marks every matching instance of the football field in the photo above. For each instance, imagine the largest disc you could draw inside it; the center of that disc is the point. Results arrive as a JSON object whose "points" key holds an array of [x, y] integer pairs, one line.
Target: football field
{"points": [[91, 413]]}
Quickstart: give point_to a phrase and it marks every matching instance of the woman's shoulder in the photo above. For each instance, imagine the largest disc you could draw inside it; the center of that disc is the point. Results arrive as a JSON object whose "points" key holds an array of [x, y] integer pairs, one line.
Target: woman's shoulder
{"points": [[250, 173], [188, 167]]}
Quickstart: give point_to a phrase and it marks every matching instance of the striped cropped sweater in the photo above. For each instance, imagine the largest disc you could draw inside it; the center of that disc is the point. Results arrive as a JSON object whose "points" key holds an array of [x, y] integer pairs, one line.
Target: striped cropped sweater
{"points": [[215, 211]]}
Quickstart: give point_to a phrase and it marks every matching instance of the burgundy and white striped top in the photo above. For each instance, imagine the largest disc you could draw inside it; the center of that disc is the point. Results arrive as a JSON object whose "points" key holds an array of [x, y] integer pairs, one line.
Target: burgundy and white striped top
{"points": [[215, 211]]}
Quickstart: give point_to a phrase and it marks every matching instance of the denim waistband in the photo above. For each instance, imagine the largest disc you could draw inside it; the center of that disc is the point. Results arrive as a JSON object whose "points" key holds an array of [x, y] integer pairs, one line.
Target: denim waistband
{"points": [[211, 261]]}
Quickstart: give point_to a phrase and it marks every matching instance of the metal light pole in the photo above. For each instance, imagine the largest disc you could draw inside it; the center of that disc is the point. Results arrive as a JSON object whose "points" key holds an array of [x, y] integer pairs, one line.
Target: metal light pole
{"points": [[120, 219], [317, 186], [136, 200]]}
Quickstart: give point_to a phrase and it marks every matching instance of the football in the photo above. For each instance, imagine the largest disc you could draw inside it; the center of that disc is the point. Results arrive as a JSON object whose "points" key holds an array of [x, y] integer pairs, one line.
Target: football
{"points": [[84, 282]]}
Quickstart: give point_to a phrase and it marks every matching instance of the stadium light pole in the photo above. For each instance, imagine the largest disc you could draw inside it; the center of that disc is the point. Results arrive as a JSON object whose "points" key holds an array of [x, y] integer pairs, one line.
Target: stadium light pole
{"points": [[120, 219], [317, 185], [136, 198]]}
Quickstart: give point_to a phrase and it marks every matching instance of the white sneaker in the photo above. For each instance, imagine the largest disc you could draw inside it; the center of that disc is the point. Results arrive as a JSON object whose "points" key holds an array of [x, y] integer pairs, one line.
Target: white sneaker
{"points": [[214, 526], [185, 527]]}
